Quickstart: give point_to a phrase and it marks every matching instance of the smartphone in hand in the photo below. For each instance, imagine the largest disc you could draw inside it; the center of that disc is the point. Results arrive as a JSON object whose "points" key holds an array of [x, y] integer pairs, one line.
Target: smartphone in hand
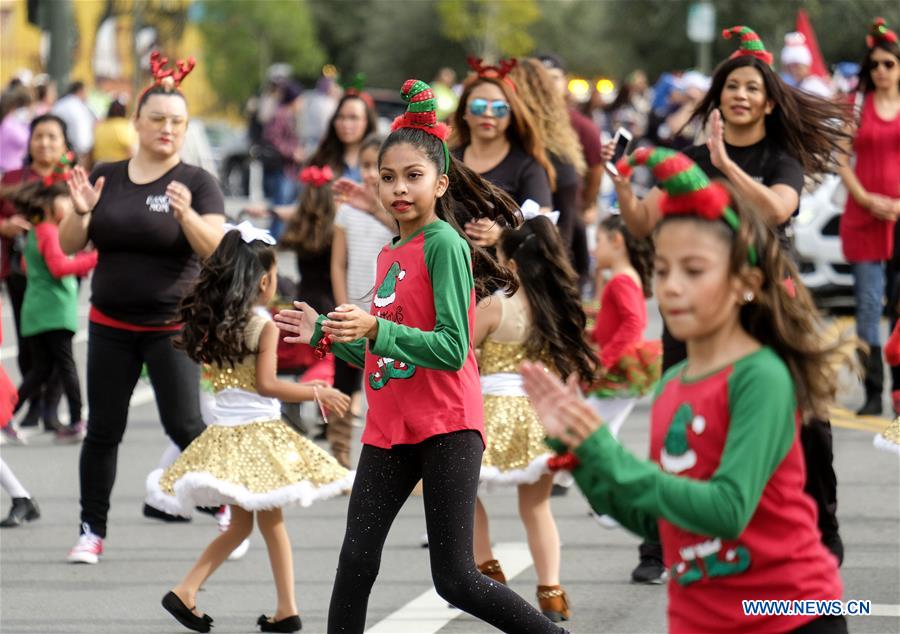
{"points": [[621, 140]]}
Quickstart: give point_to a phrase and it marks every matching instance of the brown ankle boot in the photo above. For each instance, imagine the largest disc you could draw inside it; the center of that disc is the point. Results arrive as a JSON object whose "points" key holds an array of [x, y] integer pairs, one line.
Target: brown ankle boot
{"points": [[338, 433], [553, 602], [492, 569]]}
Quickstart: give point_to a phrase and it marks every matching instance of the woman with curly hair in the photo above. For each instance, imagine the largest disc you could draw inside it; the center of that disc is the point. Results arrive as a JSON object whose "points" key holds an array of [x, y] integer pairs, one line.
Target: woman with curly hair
{"points": [[494, 135]]}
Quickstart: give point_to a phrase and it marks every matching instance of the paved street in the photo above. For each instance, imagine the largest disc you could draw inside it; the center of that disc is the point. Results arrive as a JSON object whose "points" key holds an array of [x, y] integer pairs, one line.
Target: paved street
{"points": [[41, 593]]}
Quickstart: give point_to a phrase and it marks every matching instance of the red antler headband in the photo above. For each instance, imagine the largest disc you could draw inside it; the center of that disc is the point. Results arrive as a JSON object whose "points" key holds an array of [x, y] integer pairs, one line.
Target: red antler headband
{"points": [[169, 78], [750, 44], [62, 171], [880, 33], [316, 176], [421, 114], [500, 71]]}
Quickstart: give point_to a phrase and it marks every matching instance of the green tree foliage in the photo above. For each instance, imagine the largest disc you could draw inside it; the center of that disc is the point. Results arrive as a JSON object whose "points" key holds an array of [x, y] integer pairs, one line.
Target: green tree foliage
{"points": [[490, 28], [243, 37]]}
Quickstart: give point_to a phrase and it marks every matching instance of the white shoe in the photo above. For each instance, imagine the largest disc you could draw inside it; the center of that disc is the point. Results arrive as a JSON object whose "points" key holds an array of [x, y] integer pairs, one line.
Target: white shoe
{"points": [[223, 517], [606, 521], [88, 548], [423, 540]]}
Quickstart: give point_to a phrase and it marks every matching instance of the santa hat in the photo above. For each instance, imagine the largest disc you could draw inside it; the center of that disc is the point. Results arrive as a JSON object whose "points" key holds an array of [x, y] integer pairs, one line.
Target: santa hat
{"points": [[880, 33], [795, 50], [421, 114], [750, 43], [687, 189]]}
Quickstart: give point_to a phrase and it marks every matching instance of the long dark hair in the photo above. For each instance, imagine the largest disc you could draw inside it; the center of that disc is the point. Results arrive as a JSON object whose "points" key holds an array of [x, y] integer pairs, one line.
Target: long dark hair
{"points": [[34, 199], [215, 312], [44, 118], [551, 286], [782, 317], [467, 198], [311, 228], [807, 127], [865, 69], [640, 250], [522, 129], [331, 149]]}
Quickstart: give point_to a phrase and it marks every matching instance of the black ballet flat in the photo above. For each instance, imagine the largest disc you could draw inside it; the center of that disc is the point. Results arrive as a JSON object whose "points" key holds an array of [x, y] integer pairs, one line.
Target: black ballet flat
{"points": [[185, 615], [287, 624]]}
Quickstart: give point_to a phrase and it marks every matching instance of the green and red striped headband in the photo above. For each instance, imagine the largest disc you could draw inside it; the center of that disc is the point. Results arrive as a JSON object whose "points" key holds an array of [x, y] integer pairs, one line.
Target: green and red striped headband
{"points": [[750, 44], [421, 114], [687, 190], [880, 33]]}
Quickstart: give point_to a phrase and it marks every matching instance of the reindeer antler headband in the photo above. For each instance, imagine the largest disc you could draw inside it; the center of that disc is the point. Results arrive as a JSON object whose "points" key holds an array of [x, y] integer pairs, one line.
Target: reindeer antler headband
{"points": [[500, 71], [168, 78]]}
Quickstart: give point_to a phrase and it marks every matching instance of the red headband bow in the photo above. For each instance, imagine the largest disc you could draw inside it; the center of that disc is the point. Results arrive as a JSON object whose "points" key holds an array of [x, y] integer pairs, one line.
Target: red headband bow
{"points": [[62, 171], [500, 71], [880, 33], [316, 176]]}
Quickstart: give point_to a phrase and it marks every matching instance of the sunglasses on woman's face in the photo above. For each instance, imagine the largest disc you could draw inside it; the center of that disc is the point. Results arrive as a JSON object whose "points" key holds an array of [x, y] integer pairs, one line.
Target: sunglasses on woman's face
{"points": [[887, 63], [479, 107]]}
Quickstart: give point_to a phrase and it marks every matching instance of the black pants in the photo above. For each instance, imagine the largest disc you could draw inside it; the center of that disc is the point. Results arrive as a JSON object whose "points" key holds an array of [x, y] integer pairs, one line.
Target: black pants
{"points": [[347, 378], [51, 391], [824, 625], [448, 465], [51, 353], [115, 358]]}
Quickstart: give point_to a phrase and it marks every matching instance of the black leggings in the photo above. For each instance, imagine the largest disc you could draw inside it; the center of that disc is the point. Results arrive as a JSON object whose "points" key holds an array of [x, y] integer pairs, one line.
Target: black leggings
{"points": [[448, 465], [51, 353], [114, 365]]}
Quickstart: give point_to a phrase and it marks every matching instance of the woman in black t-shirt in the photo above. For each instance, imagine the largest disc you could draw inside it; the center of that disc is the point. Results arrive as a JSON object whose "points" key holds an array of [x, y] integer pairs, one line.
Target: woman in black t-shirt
{"points": [[763, 137], [495, 136], [150, 218]]}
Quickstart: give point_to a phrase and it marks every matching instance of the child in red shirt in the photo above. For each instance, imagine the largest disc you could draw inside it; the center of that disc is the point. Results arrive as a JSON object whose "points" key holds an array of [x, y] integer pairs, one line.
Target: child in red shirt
{"points": [[425, 410], [724, 488]]}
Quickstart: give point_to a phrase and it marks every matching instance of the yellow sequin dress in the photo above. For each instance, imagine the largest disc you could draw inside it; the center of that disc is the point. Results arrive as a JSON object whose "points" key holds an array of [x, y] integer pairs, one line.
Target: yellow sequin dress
{"points": [[247, 456], [515, 452]]}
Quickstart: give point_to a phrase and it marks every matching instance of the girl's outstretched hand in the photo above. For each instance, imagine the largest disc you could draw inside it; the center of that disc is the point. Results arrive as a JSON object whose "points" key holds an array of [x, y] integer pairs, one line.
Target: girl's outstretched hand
{"points": [[84, 195], [349, 322], [718, 155], [298, 324], [333, 400], [483, 231], [562, 410], [354, 194]]}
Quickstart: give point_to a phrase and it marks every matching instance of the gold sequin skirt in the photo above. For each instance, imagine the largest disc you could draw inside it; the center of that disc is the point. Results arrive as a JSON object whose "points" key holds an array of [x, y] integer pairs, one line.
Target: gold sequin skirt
{"points": [[889, 439], [515, 452], [257, 466]]}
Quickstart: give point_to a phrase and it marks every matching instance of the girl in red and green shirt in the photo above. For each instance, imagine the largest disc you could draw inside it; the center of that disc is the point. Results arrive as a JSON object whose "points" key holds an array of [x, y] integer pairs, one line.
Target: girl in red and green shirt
{"points": [[723, 489], [425, 409]]}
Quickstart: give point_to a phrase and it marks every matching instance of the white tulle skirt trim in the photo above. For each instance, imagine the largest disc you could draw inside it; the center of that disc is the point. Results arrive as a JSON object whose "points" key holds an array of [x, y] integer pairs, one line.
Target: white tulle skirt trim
{"points": [[203, 489], [492, 477]]}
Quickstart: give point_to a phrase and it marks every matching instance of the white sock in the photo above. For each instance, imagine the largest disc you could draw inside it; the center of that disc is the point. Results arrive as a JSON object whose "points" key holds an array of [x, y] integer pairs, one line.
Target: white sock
{"points": [[169, 456], [10, 482]]}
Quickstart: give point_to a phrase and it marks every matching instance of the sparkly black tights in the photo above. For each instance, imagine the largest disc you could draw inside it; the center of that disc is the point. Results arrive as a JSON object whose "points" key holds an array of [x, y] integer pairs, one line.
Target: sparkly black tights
{"points": [[448, 465]]}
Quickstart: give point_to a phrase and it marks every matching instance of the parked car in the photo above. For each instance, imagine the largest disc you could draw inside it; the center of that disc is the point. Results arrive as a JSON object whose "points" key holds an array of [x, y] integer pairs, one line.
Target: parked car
{"points": [[817, 244]]}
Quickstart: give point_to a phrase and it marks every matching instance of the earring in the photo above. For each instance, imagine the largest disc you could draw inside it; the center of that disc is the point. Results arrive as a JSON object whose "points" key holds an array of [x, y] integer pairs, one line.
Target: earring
{"points": [[748, 297]]}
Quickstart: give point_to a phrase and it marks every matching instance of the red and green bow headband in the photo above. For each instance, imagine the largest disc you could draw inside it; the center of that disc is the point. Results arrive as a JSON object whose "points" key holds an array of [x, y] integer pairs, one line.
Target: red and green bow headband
{"points": [[687, 189], [316, 176], [750, 44], [356, 87], [421, 114], [62, 171], [880, 33]]}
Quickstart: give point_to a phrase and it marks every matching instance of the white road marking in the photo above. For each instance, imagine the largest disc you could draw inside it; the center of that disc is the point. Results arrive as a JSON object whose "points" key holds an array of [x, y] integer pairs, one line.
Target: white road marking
{"points": [[885, 609], [428, 613]]}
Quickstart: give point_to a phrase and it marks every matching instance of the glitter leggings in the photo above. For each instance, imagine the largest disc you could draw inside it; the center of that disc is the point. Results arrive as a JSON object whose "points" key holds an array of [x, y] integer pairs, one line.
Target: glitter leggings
{"points": [[448, 465]]}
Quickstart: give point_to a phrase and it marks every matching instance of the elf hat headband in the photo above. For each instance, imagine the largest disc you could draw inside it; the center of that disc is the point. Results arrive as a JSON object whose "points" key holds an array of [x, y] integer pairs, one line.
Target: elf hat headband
{"points": [[62, 171], [880, 33], [169, 78], [356, 87], [686, 188], [750, 44], [500, 71], [421, 114]]}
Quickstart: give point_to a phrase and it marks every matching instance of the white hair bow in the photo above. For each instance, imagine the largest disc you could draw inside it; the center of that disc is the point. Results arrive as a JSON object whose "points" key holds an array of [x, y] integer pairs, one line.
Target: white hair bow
{"points": [[249, 233], [531, 209]]}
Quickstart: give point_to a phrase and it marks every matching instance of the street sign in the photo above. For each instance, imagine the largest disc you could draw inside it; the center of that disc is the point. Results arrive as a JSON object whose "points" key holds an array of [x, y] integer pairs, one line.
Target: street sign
{"points": [[701, 22]]}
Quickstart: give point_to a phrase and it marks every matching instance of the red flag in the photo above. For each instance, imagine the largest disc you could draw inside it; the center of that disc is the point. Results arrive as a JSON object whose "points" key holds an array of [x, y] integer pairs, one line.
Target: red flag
{"points": [[818, 62]]}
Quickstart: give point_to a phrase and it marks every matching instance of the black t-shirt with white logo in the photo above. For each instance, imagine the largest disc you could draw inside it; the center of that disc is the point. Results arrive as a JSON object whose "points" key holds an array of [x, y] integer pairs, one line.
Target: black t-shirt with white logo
{"points": [[146, 262]]}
